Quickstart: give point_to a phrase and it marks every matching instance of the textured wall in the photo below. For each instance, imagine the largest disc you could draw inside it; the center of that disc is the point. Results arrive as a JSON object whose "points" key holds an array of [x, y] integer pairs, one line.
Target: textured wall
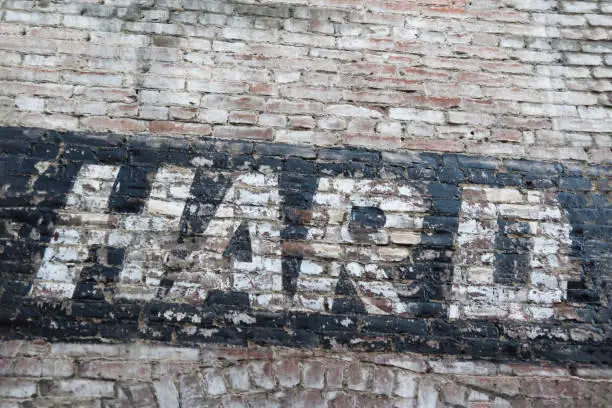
{"points": [[326, 203], [514, 77], [40, 374], [117, 239]]}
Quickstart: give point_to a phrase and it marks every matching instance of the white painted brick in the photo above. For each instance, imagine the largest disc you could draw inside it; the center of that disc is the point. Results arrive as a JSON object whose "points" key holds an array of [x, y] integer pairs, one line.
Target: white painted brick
{"points": [[153, 112], [30, 103], [350, 110], [410, 114]]}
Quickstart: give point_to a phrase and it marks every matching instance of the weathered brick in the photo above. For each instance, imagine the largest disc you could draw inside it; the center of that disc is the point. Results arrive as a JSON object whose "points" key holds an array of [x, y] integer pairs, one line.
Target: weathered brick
{"points": [[240, 132], [215, 383], [405, 385], [287, 373], [86, 350], [313, 374], [418, 115], [519, 80], [20, 367], [121, 125], [17, 388], [383, 380], [262, 375], [78, 388], [147, 352], [238, 378], [10, 348], [191, 390], [462, 367], [166, 393], [357, 377], [180, 128], [57, 368], [114, 370]]}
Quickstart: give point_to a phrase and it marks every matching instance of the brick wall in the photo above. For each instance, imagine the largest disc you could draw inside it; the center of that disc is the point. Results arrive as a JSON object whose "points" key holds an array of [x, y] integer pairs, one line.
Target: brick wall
{"points": [[512, 78], [39, 374], [326, 203]]}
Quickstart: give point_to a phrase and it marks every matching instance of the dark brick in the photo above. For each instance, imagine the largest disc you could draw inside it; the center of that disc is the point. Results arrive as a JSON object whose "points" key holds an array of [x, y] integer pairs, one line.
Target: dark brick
{"points": [[451, 175], [477, 163], [533, 167], [277, 149], [575, 184], [348, 155], [296, 165], [446, 207], [481, 176], [445, 191]]}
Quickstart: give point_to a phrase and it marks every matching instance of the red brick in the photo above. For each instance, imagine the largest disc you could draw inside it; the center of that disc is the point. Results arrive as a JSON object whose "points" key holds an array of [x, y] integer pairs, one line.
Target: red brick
{"points": [[262, 375], [340, 400], [238, 132], [423, 74], [287, 373], [121, 125], [371, 140], [182, 113], [383, 380], [243, 117], [361, 125], [334, 375], [482, 78], [122, 109], [357, 376], [435, 145], [507, 135], [433, 102], [393, 6], [263, 89], [380, 97], [180, 128], [284, 106]]}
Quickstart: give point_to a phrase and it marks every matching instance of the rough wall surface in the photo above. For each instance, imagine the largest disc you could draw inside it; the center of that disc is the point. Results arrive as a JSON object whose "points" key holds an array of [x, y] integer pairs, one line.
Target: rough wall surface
{"points": [[39, 374], [514, 77], [326, 203], [114, 238]]}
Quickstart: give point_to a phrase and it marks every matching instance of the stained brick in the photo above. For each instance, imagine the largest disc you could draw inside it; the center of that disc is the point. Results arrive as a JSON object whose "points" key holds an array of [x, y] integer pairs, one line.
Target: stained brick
{"points": [[287, 373], [524, 84], [114, 370], [313, 374]]}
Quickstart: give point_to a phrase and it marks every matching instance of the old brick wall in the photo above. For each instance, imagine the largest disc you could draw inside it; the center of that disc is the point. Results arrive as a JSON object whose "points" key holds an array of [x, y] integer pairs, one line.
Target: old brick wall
{"points": [[335, 203], [413, 74], [40, 374]]}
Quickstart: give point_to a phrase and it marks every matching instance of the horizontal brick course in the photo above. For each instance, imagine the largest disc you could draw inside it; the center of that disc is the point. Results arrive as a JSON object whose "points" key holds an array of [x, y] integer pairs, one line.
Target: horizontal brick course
{"points": [[256, 375]]}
